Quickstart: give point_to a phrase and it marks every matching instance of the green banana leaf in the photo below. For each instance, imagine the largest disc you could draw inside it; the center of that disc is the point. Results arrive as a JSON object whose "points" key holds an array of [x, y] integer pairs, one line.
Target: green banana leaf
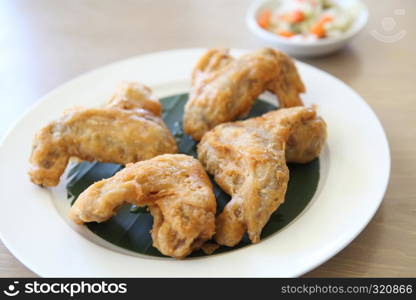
{"points": [[130, 227]]}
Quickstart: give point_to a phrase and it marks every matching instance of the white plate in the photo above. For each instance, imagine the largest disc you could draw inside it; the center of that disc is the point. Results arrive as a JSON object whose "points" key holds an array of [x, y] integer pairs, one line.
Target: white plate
{"points": [[355, 167]]}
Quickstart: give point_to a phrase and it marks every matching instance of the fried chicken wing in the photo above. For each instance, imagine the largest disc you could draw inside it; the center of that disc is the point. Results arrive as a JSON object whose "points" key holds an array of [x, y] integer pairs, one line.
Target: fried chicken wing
{"points": [[212, 61], [177, 191], [247, 159], [306, 142], [128, 129], [224, 88]]}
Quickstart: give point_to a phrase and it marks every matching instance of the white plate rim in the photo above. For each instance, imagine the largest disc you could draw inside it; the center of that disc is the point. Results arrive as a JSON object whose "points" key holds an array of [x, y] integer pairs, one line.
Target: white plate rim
{"points": [[181, 269]]}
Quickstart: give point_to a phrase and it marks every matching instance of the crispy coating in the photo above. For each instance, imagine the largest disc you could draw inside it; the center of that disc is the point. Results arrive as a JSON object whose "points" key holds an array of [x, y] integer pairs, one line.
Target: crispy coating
{"points": [[134, 95], [128, 129], [224, 88], [247, 159], [306, 142], [177, 191]]}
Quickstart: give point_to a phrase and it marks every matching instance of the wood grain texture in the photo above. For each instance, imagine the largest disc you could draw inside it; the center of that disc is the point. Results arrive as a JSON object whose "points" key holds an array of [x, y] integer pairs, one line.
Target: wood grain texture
{"points": [[45, 43]]}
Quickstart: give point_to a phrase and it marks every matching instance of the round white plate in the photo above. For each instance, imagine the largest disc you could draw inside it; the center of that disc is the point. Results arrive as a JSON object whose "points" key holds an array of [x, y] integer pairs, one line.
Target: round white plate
{"points": [[355, 167]]}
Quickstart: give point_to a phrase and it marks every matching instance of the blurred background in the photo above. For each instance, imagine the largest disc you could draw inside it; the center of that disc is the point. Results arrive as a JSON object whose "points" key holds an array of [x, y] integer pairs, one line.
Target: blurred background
{"points": [[45, 43]]}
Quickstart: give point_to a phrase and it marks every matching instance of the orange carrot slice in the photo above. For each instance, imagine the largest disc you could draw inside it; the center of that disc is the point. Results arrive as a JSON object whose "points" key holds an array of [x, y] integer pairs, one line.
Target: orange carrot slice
{"points": [[293, 17], [264, 18], [297, 16], [318, 29], [285, 33]]}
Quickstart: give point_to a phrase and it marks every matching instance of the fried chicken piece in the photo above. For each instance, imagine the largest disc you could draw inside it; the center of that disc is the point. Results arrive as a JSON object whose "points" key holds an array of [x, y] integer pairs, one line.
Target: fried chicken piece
{"points": [[212, 61], [224, 89], [135, 96], [128, 129], [306, 142], [177, 191], [247, 159]]}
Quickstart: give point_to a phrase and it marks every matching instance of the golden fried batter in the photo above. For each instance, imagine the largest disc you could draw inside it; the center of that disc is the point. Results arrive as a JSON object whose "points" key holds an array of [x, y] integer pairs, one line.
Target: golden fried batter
{"points": [[305, 143], [177, 191], [247, 159], [128, 129], [224, 88]]}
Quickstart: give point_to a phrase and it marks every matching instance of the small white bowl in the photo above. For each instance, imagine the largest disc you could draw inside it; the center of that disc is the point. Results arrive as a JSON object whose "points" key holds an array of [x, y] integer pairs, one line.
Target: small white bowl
{"points": [[306, 48]]}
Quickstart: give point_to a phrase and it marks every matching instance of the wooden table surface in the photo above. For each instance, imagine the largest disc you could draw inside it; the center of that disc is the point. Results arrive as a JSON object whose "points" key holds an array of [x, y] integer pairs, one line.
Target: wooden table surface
{"points": [[45, 43]]}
